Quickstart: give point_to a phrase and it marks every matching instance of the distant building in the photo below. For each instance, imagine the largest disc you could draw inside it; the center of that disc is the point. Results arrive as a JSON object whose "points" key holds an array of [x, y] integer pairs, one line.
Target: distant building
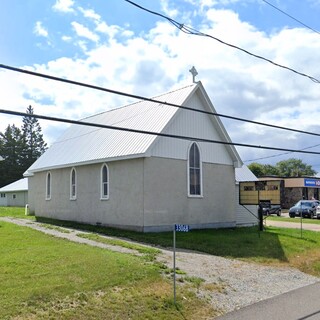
{"points": [[14, 194], [296, 188]]}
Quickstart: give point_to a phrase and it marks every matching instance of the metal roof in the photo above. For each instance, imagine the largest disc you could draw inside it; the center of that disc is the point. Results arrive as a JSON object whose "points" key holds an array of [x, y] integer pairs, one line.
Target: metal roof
{"points": [[20, 185], [83, 144], [244, 174]]}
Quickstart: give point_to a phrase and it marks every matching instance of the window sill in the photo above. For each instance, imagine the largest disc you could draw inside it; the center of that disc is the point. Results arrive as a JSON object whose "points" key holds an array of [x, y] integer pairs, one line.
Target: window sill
{"points": [[195, 196]]}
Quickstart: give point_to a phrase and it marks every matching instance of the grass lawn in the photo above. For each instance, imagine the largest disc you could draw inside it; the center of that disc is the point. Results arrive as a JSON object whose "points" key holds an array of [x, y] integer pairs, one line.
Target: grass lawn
{"points": [[43, 274], [275, 246], [14, 212], [43, 277]]}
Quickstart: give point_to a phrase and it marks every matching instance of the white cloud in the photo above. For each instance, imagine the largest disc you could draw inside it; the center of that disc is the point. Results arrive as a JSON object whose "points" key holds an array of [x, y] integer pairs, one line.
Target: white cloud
{"points": [[111, 31], [84, 32], [66, 38], [102, 26], [238, 84], [64, 5], [169, 11], [90, 13], [39, 30]]}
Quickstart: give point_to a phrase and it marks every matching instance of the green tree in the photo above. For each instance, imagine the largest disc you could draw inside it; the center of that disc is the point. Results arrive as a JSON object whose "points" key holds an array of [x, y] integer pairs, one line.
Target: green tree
{"points": [[286, 168], [294, 168], [270, 170], [20, 148], [11, 149], [35, 145], [257, 169]]}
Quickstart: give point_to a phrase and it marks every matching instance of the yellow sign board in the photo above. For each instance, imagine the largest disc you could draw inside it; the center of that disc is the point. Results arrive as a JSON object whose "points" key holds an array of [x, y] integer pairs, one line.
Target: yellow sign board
{"points": [[252, 192]]}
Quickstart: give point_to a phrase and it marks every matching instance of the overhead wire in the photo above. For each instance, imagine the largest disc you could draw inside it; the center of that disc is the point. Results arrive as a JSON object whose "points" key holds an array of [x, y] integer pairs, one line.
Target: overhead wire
{"points": [[290, 16], [279, 154], [160, 134], [90, 86], [150, 100], [189, 30]]}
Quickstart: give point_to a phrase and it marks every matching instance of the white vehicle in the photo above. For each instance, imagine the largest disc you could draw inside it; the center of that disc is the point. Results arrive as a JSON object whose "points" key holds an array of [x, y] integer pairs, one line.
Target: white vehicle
{"points": [[318, 212]]}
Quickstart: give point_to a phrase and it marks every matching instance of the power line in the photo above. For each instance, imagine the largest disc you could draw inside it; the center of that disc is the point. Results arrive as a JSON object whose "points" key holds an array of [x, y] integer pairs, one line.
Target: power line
{"points": [[166, 135], [90, 86], [290, 16], [279, 154], [188, 30]]}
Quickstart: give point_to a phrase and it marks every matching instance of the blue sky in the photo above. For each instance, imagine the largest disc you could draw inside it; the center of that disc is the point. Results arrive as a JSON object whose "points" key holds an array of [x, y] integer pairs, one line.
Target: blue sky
{"points": [[116, 45]]}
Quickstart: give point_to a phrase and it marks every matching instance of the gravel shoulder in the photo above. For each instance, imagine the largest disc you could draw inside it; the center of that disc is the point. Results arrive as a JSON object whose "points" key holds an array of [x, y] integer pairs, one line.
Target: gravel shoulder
{"points": [[294, 224], [229, 284]]}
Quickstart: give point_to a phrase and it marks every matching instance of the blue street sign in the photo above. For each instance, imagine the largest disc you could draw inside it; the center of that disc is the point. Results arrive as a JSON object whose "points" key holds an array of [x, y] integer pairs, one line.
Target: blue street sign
{"points": [[181, 227]]}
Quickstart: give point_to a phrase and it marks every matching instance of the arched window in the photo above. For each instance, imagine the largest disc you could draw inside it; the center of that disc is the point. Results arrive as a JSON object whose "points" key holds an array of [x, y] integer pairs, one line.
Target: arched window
{"points": [[104, 182], [194, 171], [73, 184], [48, 186]]}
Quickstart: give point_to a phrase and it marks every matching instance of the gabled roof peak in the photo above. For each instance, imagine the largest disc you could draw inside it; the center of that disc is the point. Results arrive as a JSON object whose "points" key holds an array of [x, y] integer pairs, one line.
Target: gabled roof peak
{"points": [[83, 144], [158, 97]]}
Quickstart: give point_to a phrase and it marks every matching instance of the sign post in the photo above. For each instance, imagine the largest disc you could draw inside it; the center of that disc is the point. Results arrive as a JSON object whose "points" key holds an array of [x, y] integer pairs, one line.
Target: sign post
{"points": [[301, 220], [177, 228]]}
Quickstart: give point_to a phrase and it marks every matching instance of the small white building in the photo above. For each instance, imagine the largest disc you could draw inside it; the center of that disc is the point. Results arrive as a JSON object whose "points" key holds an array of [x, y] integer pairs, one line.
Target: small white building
{"points": [[140, 181], [14, 194], [246, 215]]}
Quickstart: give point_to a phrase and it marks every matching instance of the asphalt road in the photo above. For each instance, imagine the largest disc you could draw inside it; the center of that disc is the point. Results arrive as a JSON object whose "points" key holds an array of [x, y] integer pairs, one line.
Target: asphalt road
{"points": [[299, 304]]}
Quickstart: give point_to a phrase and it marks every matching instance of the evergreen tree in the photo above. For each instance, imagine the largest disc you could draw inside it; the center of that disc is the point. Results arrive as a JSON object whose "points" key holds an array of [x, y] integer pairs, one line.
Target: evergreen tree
{"points": [[35, 146], [11, 149], [19, 148]]}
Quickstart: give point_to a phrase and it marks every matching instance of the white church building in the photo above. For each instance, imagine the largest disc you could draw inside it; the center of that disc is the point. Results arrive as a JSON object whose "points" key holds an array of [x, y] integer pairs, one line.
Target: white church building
{"points": [[138, 181]]}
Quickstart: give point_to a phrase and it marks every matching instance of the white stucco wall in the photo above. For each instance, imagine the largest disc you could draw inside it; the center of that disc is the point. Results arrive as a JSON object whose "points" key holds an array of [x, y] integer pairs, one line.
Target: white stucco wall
{"points": [[146, 194], [14, 199], [166, 198], [3, 199], [124, 208]]}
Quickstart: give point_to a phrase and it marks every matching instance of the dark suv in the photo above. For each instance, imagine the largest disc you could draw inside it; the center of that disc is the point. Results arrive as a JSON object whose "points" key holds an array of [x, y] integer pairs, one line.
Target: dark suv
{"points": [[272, 209], [306, 208]]}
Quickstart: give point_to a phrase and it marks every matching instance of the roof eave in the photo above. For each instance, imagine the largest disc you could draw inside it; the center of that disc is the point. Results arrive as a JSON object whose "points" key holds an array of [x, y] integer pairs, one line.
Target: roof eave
{"points": [[83, 163]]}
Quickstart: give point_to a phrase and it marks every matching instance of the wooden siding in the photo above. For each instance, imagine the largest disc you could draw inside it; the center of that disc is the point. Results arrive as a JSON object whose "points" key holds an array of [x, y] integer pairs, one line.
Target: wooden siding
{"points": [[193, 124]]}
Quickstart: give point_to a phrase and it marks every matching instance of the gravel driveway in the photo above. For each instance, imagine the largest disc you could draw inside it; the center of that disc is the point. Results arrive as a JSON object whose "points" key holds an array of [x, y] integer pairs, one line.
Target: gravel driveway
{"points": [[229, 284]]}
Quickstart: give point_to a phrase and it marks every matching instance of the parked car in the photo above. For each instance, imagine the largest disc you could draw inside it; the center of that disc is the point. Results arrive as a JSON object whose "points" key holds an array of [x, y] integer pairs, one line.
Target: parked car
{"points": [[318, 212], [273, 209], [306, 207]]}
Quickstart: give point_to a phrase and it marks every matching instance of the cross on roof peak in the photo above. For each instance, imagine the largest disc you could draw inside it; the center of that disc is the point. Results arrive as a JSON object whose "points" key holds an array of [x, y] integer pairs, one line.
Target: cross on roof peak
{"points": [[194, 73]]}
